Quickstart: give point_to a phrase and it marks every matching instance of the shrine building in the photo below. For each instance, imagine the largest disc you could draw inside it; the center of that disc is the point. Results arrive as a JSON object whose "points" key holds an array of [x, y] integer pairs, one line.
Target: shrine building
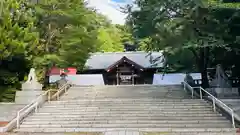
{"points": [[125, 68]]}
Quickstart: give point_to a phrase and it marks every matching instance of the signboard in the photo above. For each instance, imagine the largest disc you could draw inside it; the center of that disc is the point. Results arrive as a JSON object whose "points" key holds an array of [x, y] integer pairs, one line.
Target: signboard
{"points": [[125, 77]]}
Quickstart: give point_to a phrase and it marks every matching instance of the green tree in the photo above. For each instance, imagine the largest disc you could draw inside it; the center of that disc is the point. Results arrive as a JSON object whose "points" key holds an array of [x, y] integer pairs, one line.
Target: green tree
{"points": [[17, 35], [16, 28], [47, 33], [176, 25], [126, 35], [68, 31], [109, 39]]}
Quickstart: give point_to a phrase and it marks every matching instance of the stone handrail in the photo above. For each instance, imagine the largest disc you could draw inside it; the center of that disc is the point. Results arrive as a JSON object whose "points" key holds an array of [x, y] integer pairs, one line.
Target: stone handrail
{"points": [[214, 101], [33, 106]]}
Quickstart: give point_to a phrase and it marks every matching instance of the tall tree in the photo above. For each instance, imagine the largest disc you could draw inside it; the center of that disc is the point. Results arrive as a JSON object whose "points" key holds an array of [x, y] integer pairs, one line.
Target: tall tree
{"points": [[17, 34], [176, 25], [109, 40], [68, 31]]}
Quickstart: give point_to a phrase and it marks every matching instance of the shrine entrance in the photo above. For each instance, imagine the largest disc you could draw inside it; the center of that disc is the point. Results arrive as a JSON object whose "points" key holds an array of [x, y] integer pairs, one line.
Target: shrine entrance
{"points": [[126, 79], [126, 75], [124, 72]]}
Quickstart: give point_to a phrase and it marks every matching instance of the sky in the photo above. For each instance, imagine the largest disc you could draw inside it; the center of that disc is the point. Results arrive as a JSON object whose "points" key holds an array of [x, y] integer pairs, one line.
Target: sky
{"points": [[111, 9]]}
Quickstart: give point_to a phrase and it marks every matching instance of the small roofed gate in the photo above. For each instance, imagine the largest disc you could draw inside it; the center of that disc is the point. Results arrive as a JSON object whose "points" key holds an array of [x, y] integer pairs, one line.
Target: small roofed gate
{"points": [[124, 72]]}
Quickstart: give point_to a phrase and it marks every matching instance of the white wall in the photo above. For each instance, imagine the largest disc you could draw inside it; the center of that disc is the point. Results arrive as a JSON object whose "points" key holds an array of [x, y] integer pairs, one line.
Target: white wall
{"points": [[172, 79], [81, 79]]}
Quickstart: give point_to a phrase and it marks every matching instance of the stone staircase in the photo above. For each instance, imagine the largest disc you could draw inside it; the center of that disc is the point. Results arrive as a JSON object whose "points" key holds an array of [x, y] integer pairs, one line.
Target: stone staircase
{"points": [[140, 109]]}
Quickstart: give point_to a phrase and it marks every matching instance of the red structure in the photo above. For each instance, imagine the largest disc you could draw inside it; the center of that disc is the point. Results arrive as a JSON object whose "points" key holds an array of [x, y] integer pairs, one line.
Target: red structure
{"points": [[59, 71]]}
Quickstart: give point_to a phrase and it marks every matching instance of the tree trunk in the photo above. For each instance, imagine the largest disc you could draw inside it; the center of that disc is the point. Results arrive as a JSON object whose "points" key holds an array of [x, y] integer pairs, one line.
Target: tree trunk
{"points": [[47, 51], [202, 59], [203, 64], [46, 77]]}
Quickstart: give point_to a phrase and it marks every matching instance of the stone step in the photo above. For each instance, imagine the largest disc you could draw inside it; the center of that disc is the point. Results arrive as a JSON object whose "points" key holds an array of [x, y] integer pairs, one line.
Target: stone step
{"points": [[29, 122], [171, 125], [130, 106], [165, 130], [75, 97], [135, 86], [136, 99], [125, 93], [128, 94], [139, 99], [127, 89], [130, 103], [126, 106], [144, 90], [102, 118], [134, 108], [56, 112], [124, 90], [123, 115], [125, 110], [127, 133]]}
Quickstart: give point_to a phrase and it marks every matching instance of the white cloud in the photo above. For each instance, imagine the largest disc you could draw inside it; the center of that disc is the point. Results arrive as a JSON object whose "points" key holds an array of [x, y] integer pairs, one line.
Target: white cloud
{"points": [[110, 9]]}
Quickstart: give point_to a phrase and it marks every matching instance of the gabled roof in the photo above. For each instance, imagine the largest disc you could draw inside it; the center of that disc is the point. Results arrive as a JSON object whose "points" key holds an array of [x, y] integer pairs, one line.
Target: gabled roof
{"points": [[104, 60], [124, 59]]}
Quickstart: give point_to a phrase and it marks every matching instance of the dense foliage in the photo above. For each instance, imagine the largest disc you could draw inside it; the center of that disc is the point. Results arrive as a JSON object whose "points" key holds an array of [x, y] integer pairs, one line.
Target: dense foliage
{"points": [[46, 33], [208, 29]]}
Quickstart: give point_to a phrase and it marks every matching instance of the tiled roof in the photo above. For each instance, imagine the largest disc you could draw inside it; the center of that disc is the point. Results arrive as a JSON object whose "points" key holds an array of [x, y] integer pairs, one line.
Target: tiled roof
{"points": [[104, 60]]}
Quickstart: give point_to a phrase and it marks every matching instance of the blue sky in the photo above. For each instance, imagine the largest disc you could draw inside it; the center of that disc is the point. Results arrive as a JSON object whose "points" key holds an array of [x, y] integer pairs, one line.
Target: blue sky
{"points": [[110, 8]]}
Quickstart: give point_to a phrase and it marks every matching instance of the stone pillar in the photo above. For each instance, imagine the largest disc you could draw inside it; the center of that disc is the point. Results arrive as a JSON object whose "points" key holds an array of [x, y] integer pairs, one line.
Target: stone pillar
{"points": [[117, 78], [31, 89], [132, 77]]}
